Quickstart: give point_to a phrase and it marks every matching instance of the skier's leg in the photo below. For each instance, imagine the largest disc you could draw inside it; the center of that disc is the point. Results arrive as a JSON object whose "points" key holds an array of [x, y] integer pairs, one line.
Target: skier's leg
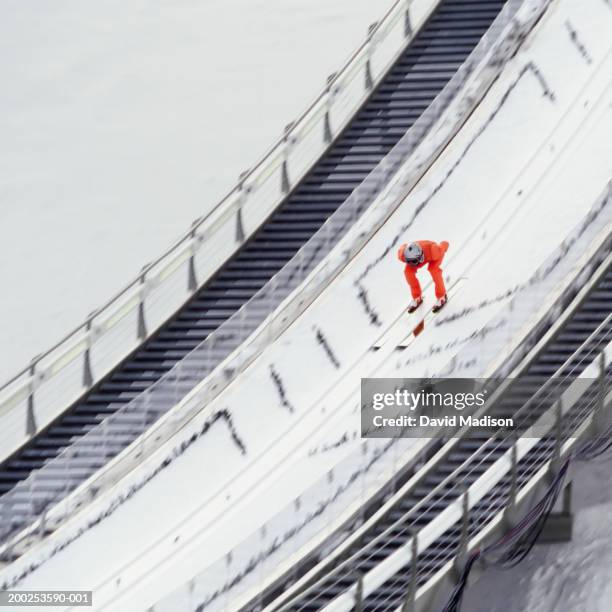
{"points": [[413, 281], [438, 279]]}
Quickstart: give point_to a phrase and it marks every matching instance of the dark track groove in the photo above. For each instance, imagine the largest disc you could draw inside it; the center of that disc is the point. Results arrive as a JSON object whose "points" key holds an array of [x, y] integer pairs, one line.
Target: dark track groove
{"points": [[398, 523], [418, 76]]}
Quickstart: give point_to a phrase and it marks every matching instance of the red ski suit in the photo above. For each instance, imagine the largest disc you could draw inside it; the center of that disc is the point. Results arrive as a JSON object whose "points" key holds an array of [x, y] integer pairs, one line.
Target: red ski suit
{"points": [[433, 256]]}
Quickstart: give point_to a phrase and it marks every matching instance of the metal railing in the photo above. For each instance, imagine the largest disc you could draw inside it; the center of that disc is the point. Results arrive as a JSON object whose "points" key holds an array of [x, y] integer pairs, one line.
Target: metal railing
{"points": [[529, 312], [137, 416], [460, 501], [55, 379], [546, 393], [559, 275], [570, 417], [570, 262]]}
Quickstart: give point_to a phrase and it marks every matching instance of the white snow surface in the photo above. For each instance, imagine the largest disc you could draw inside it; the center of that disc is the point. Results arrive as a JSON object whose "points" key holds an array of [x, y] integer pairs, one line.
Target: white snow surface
{"points": [[524, 170], [123, 121]]}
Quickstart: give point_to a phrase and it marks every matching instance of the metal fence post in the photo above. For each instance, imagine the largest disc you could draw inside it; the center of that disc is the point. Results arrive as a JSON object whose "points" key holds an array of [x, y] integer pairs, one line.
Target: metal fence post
{"points": [[556, 462], [30, 416], [263, 533], [228, 566], [410, 601], [145, 418], [192, 280], [599, 413], [359, 595], [177, 380], [513, 492], [514, 476], [364, 462], [369, 79], [329, 95], [354, 210], [42, 525], [210, 339], [329, 236], [243, 192], [244, 328], [302, 263], [465, 533], [407, 23], [31, 497], [285, 182], [142, 325], [270, 295], [87, 373], [105, 448], [297, 506], [240, 235], [330, 482]]}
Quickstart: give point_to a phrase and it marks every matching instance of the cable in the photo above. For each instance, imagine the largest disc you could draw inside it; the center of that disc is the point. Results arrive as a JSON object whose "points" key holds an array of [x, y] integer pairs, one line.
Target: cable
{"points": [[520, 540]]}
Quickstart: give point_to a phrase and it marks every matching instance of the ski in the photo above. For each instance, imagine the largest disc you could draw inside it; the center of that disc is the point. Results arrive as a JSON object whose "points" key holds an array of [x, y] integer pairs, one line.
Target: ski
{"points": [[397, 330], [405, 342]]}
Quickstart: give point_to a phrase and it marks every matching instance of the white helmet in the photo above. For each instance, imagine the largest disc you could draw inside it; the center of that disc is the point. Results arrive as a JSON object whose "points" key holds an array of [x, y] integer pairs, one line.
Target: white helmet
{"points": [[413, 254]]}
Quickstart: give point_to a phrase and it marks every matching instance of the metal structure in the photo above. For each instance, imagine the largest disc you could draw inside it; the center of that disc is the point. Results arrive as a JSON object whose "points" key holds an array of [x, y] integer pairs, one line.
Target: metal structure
{"points": [[255, 572], [418, 542], [155, 377], [438, 515], [292, 171], [258, 571], [535, 324]]}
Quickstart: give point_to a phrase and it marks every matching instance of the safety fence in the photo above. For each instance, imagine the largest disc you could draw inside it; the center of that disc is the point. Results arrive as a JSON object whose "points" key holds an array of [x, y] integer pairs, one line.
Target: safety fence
{"points": [[60, 376], [442, 119], [579, 412], [566, 417], [587, 353], [531, 310], [287, 536], [336, 499]]}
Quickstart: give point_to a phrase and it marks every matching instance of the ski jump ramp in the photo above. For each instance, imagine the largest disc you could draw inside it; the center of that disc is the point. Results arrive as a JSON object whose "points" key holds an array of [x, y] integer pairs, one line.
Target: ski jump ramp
{"points": [[534, 152]]}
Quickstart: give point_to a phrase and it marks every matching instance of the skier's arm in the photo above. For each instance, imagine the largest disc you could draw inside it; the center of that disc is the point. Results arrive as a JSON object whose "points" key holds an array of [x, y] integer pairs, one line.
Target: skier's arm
{"points": [[413, 281]]}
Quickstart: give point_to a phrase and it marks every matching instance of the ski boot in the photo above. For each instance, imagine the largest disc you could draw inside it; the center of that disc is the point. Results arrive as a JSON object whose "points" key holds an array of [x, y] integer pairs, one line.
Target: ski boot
{"points": [[440, 303], [414, 304]]}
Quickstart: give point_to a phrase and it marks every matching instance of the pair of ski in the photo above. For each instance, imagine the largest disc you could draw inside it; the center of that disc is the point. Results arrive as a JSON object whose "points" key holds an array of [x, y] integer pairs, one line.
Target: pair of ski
{"points": [[414, 321]]}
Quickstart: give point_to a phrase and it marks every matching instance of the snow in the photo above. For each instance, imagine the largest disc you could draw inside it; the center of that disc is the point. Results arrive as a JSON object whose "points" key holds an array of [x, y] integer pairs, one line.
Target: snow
{"points": [[532, 155], [548, 181], [121, 122], [575, 575]]}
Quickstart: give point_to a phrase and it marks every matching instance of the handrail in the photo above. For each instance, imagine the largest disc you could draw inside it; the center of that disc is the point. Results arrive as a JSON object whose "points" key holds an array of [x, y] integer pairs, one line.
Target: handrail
{"points": [[449, 446], [117, 314], [292, 128], [204, 358], [592, 224], [455, 510], [598, 215], [603, 200], [460, 95], [582, 423]]}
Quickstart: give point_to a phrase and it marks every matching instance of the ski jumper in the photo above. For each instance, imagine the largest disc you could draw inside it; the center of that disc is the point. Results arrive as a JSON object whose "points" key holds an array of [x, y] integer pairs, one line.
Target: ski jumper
{"points": [[433, 256]]}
